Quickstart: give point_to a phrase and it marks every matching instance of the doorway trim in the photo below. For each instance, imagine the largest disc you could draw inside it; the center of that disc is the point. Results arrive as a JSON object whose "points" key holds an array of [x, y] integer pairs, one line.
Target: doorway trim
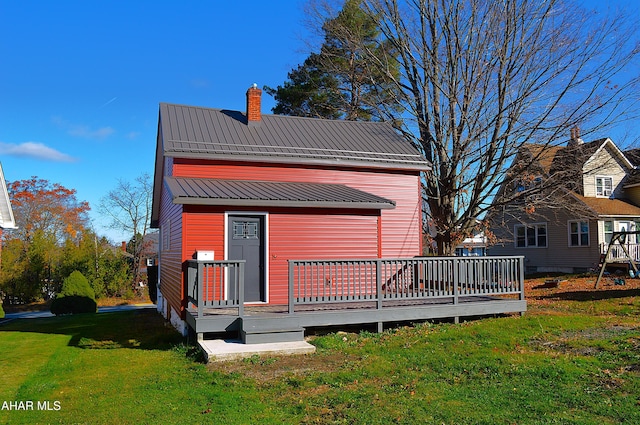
{"points": [[265, 220]]}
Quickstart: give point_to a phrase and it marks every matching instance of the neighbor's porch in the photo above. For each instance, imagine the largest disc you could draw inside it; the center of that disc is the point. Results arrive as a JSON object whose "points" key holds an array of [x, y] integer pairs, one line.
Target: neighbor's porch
{"points": [[350, 292], [617, 253]]}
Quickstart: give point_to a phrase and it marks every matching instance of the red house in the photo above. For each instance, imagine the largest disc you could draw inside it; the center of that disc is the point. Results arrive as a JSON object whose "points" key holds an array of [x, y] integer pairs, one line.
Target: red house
{"points": [[265, 191]]}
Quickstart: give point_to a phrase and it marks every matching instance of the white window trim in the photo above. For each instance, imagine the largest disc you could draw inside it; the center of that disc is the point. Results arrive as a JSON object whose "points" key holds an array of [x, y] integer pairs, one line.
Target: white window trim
{"points": [[525, 226], [603, 194], [569, 222]]}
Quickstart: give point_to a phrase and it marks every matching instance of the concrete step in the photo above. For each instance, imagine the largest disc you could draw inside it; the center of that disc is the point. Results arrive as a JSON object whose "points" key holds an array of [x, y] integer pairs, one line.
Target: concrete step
{"points": [[260, 330], [225, 350]]}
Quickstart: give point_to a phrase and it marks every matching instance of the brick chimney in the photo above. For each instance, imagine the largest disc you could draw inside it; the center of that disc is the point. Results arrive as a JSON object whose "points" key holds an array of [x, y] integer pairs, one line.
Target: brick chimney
{"points": [[575, 137], [253, 106]]}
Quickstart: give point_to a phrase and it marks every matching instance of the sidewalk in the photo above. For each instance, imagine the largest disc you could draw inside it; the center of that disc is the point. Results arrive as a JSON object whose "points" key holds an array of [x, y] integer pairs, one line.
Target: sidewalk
{"points": [[47, 313]]}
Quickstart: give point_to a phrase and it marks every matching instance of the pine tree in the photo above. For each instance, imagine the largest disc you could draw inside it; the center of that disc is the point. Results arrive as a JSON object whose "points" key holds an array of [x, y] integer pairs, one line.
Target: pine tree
{"points": [[337, 82]]}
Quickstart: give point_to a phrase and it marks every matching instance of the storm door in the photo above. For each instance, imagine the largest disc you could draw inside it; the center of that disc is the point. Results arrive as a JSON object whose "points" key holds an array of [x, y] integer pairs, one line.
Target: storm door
{"points": [[246, 242]]}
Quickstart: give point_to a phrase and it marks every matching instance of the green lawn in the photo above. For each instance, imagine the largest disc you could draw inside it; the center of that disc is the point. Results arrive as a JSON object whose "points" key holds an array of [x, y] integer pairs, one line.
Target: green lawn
{"points": [[572, 362]]}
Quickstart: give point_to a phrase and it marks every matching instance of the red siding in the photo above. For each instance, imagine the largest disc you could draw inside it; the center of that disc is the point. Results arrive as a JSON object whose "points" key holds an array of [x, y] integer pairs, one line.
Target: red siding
{"points": [[400, 226], [204, 231], [298, 233], [294, 236], [171, 252]]}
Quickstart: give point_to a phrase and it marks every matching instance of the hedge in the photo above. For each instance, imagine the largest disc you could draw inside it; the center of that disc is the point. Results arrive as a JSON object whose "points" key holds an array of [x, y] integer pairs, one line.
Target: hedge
{"points": [[76, 296]]}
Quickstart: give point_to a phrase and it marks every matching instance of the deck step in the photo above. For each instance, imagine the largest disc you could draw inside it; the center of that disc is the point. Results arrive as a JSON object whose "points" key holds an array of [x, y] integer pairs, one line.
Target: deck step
{"points": [[260, 330]]}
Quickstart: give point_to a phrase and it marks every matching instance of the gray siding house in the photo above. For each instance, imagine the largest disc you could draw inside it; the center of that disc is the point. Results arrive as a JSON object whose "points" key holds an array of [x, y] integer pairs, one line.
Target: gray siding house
{"points": [[591, 189]]}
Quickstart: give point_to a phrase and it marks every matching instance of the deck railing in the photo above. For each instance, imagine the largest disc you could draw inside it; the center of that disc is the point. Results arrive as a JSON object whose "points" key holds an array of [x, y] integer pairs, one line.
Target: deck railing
{"points": [[215, 284], [337, 281], [220, 284]]}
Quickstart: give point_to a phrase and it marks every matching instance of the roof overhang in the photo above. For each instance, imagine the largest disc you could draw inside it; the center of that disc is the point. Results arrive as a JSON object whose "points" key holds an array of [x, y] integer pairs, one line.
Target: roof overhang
{"points": [[332, 161], [245, 193]]}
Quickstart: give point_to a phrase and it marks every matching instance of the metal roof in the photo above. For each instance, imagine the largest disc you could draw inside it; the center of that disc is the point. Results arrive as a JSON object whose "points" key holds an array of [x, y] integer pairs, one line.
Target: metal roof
{"points": [[199, 191], [205, 133]]}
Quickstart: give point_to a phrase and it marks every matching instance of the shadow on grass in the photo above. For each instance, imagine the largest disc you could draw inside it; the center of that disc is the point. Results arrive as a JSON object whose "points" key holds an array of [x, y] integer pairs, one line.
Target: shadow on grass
{"points": [[138, 329], [591, 295]]}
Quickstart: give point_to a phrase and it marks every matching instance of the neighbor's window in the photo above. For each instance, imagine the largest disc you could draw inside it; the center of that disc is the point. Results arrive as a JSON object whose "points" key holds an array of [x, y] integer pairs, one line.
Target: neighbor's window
{"points": [[578, 233], [531, 235], [608, 231], [604, 186]]}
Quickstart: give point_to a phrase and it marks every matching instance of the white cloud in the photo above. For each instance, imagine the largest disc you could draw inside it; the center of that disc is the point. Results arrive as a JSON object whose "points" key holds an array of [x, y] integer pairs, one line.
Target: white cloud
{"points": [[84, 131], [200, 83], [88, 133], [34, 150]]}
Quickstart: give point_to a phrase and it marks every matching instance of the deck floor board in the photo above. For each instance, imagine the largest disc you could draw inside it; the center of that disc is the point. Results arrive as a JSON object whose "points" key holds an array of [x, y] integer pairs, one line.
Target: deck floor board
{"points": [[274, 310]]}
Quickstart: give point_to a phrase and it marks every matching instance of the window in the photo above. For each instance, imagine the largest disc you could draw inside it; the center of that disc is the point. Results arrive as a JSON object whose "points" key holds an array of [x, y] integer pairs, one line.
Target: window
{"points": [[531, 236], [608, 231], [604, 186], [527, 183], [578, 233], [245, 230]]}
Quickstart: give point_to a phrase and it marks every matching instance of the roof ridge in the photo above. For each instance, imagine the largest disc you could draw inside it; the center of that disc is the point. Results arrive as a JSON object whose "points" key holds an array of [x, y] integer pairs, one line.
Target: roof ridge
{"points": [[278, 116]]}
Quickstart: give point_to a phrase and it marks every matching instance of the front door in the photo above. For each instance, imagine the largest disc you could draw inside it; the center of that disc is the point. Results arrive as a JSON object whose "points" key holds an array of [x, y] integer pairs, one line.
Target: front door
{"points": [[246, 242]]}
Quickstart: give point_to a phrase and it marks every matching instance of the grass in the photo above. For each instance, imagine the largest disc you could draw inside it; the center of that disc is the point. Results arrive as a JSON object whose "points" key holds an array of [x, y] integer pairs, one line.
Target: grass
{"points": [[573, 361]]}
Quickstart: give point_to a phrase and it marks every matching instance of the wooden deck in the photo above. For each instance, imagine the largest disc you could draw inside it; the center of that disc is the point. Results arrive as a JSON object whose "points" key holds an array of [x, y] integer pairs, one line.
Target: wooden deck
{"points": [[356, 292]]}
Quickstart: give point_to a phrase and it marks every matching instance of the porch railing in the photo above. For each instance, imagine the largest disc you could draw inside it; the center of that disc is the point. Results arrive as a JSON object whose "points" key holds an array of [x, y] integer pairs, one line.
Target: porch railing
{"points": [[215, 284], [379, 280], [617, 253], [220, 284]]}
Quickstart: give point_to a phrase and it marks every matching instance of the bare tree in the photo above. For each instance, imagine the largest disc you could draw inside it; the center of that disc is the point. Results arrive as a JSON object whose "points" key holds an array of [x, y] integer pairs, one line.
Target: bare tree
{"points": [[129, 208], [479, 79]]}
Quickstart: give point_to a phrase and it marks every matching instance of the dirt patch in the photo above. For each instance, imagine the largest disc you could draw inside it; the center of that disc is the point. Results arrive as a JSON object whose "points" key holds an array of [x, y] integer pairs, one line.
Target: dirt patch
{"points": [[544, 290], [265, 369]]}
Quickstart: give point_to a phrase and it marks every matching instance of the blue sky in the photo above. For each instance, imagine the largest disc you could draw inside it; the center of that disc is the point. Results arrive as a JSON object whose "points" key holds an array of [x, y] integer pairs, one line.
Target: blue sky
{"points": [[80, 81]]}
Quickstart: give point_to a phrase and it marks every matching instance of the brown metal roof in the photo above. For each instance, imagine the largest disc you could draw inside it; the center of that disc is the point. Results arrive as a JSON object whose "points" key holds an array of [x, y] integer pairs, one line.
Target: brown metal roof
{"points": [[205, 133], [197, 191]]}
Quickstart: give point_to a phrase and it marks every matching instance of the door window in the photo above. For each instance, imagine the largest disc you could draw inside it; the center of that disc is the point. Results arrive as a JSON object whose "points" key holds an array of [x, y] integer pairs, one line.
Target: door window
{"points": [[245, 230]]}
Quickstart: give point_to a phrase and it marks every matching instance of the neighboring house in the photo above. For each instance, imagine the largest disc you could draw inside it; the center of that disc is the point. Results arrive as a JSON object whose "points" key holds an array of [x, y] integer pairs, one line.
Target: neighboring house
{"points": [[269, 188], [6, 213], [474, 246], [597, 192]]}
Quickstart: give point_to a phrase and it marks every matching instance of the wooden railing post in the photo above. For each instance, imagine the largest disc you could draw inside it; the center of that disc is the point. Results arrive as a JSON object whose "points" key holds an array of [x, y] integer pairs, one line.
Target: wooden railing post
{"points": [[240, 266], [379, 283], [455, 281], [521, 277], [291, 292], [199, 295]]}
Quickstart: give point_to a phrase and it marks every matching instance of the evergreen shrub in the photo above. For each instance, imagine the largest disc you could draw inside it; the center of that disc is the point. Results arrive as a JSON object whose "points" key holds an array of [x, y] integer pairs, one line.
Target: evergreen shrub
{"points": [[76, 296]]}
